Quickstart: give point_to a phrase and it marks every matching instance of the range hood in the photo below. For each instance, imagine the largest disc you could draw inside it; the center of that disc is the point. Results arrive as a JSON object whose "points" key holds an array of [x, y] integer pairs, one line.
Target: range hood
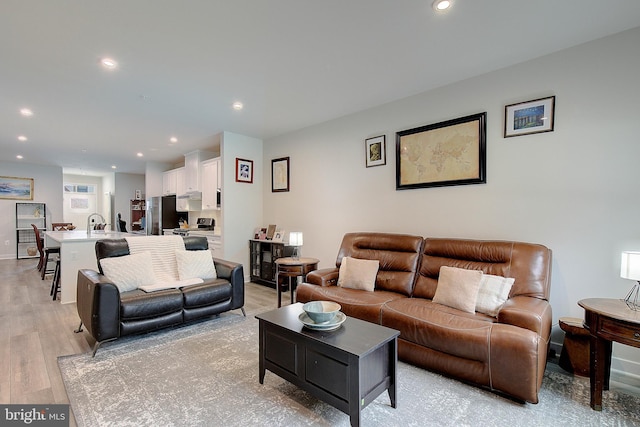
{"points": [[191, 195]]}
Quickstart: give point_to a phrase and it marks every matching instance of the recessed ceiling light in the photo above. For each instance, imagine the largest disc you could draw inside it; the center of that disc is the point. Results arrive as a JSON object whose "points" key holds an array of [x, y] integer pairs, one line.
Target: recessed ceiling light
{"points": [[139, 154], [22, 138], [19, 156], [440, 5], [26, 112], [113, 167], [108, 63], [238, 106], [173, 139]]}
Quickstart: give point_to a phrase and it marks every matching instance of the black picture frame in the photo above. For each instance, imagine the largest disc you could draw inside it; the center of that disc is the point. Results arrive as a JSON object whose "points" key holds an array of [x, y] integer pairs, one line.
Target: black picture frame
{"points": [[280, 175], [375, 151], [447, 153], [526, 118]]}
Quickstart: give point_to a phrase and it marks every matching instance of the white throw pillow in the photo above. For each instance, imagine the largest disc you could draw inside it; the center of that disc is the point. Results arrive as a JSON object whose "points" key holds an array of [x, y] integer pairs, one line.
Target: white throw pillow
{"points": [[458, 288], [358, 273], [195, 264], [130, 271], [493, 292]]}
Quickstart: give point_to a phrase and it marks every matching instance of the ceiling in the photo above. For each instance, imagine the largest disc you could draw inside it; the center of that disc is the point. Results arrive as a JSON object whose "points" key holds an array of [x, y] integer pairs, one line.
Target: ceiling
{"points": [[292, 63]]}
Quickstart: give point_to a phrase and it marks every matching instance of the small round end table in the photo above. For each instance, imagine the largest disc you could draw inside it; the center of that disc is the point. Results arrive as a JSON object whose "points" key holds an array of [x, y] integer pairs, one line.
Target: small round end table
{"points": [[290, 267]]}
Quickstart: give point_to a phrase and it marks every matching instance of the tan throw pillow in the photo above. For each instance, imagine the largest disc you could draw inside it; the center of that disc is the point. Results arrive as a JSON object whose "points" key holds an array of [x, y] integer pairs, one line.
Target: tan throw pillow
{"points": [[358, 273], [130, 271], [195, 264], [494, 291], [458, 288]]}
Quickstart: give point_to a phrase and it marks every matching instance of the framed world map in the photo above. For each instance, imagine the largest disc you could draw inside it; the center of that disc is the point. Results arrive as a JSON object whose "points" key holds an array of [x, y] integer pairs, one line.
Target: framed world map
{"points": [[452, 152]]}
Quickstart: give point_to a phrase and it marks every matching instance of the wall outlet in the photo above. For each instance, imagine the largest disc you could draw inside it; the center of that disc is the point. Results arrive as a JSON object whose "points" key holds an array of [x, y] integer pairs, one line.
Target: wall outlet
{"points": [[7, 242]]}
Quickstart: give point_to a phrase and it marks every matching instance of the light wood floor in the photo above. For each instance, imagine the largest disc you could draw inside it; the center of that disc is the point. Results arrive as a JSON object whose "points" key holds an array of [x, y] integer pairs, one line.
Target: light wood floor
{"points": [[35, 330]]}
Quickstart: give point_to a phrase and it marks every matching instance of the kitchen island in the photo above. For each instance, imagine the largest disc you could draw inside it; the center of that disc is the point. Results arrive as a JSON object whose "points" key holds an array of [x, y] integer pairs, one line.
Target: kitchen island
{"points": [[77, 250]]}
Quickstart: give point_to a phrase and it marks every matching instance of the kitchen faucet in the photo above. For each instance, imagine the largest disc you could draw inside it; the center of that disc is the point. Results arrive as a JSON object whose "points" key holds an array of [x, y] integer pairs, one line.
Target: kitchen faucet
{"points": [[89, 222]]}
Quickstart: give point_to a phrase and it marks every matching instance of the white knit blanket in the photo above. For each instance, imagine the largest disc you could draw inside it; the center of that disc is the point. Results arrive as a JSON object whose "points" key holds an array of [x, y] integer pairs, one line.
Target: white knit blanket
{"points": [[163, 254]]}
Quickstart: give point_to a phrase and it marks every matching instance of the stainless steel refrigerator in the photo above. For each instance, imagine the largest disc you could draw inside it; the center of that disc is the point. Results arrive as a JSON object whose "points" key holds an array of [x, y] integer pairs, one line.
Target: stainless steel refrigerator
{"points": [[162, 215]]}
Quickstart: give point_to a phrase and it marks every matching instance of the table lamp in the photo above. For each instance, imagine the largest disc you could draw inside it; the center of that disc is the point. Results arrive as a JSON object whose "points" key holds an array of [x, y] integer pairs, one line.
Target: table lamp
{"points": [[295, 240], [630, 269]]}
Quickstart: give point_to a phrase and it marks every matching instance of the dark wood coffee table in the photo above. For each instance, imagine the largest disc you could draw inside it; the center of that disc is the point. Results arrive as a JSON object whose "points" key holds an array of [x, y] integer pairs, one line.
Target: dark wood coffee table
{"points": [[348, 368]]}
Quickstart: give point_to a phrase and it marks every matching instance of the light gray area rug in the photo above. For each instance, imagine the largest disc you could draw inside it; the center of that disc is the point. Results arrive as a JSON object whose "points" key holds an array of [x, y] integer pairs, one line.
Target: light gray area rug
{"points": [[206, 374]]}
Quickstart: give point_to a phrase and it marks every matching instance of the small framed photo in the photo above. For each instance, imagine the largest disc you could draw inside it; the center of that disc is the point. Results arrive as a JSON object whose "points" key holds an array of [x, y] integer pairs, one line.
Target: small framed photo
{"points": [[244, 170], [375, 151], [279, 236], [529, 117], [271, 231], [280, 175]]}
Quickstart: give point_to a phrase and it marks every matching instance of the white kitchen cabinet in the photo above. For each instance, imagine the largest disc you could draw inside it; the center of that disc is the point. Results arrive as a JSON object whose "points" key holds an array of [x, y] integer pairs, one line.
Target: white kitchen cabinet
{"points": [[192, 172], [182, 200], [209, 172], [169, 184]]}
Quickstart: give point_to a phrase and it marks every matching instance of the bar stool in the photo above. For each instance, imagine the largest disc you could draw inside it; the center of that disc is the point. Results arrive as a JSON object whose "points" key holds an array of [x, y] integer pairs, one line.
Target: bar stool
{"points": [[44, 253], [55, 283]]}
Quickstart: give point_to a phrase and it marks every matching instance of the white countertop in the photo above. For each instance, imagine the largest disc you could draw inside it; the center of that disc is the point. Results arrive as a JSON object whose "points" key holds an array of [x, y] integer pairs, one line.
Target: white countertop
{"points": [[82, 236]]}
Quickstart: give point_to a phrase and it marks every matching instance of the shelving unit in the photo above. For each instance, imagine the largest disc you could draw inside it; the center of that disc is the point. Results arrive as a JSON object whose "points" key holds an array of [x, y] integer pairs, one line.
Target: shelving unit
{"points": [[263, 254], [138, 210], [27, 214]]}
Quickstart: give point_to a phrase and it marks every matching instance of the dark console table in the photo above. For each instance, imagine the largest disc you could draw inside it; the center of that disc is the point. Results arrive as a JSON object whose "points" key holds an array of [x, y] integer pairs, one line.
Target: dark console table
{"points": [[348, 368], [608, 320]]}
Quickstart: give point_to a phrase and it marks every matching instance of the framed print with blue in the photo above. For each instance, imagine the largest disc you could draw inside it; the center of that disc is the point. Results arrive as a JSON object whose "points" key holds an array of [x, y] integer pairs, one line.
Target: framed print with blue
{"points": [[525, 118]]}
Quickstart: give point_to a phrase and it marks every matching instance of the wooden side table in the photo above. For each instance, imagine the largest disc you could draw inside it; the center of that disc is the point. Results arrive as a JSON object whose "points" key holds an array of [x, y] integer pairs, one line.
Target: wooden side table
{"points": [[608, 320], [290, 267]]}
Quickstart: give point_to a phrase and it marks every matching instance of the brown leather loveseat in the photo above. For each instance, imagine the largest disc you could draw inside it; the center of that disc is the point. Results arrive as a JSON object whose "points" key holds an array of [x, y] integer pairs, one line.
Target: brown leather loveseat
{"points": [[506, 353]]}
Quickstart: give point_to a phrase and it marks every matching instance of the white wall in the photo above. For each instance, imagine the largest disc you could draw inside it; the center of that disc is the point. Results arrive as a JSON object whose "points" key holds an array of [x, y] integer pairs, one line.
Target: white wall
{"points": [[126, 184], [241, 201], [574, 189], [47, 188]]}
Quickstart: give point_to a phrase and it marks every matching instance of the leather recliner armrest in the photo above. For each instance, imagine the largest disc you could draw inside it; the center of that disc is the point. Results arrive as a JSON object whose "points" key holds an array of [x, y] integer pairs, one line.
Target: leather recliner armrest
{"points": [[98, 303], [234, 273], [529, 313], [323, 277]]}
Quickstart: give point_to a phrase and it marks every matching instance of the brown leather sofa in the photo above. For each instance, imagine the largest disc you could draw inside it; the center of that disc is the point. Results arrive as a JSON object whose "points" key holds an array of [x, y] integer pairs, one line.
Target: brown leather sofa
{"points": [[506, 354]]}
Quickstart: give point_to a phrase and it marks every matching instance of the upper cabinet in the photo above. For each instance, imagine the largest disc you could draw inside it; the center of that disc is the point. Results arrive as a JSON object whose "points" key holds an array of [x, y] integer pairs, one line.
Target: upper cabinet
{"points": [[187, 182], [192, 171], [169, 183], [210, 184], [182, 201]]}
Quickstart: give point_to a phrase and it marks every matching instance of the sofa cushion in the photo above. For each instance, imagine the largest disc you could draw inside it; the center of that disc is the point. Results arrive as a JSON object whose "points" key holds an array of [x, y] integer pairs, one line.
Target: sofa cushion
{"points": [[358, 273], [355, 303], [399, 255], [210, 292], [458, 288], [195, 265], [439, 327], [130, 271], [493, 292], [138, 304]]}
